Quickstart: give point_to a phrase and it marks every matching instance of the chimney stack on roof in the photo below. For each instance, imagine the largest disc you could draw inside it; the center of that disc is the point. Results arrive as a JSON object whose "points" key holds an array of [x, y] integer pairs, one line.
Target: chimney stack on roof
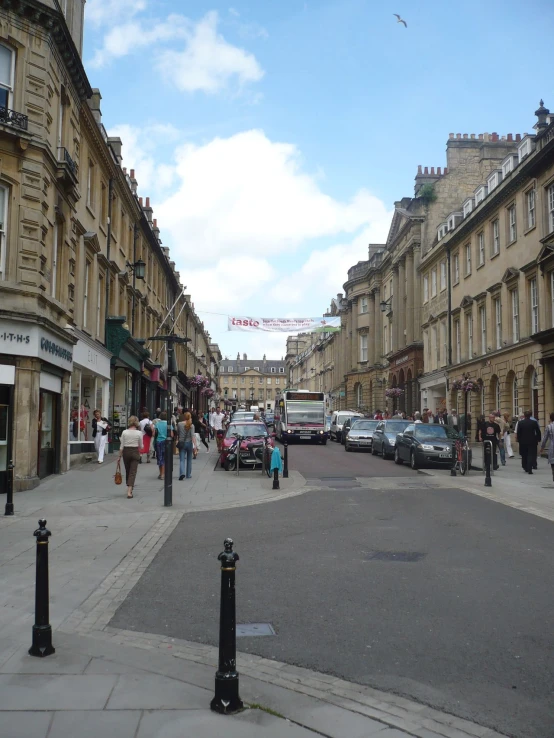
{"points": [[94, 105], [115, 144]]}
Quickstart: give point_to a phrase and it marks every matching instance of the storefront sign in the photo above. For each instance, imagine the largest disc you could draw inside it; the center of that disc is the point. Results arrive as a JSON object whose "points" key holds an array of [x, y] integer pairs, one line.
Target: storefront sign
{"points": [[402, 359], [18, 338], [89, 356]]}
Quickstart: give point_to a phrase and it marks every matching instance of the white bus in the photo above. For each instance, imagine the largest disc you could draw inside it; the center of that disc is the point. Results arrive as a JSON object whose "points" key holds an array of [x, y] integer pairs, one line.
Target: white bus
{"points": [[300, 416]]}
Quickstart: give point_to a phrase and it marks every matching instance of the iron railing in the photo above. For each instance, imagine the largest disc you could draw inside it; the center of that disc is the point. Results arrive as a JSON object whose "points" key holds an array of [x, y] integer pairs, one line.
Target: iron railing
{"points": [[63, 155], [13, 118]]}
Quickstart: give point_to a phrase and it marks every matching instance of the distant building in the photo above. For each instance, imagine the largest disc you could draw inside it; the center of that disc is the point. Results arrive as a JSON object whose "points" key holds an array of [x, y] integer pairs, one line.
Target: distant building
{"points": [[250, 382]]}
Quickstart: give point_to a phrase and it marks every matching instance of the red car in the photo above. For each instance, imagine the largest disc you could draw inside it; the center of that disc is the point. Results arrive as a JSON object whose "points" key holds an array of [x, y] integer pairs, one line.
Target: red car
{"points": [[253, 435]]}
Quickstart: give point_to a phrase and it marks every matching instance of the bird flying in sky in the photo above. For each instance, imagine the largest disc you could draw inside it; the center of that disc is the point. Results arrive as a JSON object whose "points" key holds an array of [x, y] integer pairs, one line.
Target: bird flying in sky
{"points": [[400, 20]]}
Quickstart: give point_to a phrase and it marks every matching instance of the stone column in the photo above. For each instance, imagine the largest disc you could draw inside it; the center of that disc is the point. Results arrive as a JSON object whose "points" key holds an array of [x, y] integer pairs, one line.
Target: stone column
{"points": [[26, 422], [417, 296], [354, 325], [378, 322], [401, 304], [410, 283], [373, 325], [395, 308]]}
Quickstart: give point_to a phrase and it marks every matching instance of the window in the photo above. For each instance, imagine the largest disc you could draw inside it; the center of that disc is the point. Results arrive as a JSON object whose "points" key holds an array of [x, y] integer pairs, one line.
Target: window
{"points": [[434, 346], [443, 275], [7, 59], [99, 295], [515, 315], [55, 260], [530, 201], [469, 324], [4, 199], [246, 368], [495, 246], [434, 283], [273, 370], [85, 294], [386, 341], [363, 305], [243, 380], [260, 380], [281, 370], [552, 297], [507, 166], [533, 293], [524, 149], [483, 322], [515, 397], [425, 288], [363, 348], [497, 323], [551, 208], [481, 248], [512, 223], [444, 344], [268, 394], [458, 338], [480, 194], [225, 380], [467, 207], [277, 381], [494, 180], [269, 380], [90, 184], [456, 261], [468, 258]]}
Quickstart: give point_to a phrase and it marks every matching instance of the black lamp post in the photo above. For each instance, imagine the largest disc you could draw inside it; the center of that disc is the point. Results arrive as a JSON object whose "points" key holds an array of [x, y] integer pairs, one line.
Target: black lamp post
{"points": [[138, 270]]}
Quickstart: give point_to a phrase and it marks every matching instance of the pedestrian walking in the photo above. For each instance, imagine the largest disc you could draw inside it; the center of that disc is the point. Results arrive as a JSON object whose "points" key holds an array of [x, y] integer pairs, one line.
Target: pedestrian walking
{"points": [[507, 438], [147, 432], [186, 443], [217, 424], [100, 429], [130, 449], [528, 436], [490, 431], [549, 436], [162, 434]]}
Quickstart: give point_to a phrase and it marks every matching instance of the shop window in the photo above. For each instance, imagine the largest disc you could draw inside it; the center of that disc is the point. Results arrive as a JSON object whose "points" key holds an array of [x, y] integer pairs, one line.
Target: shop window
{"points": [[7, 58], [86, 397], [85, 293]]}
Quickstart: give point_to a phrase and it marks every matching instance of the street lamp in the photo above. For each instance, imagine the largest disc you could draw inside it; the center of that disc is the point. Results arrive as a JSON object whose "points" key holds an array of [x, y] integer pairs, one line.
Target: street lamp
{"points": [[385, 305], [138, 269]]}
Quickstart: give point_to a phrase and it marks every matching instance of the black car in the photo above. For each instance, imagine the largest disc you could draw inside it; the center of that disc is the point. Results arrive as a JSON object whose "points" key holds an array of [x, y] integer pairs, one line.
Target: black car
{"points": [[423, 444], [384, 437]]}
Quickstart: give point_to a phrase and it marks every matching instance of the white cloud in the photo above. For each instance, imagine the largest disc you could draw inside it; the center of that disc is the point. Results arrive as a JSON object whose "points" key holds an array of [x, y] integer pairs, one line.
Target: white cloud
{"points": [[98, 12], [208, 61], [248, 194]]}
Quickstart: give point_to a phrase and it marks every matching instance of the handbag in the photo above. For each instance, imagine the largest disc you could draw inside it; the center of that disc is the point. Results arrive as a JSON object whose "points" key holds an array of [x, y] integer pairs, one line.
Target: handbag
{"points": [[118, 479]]}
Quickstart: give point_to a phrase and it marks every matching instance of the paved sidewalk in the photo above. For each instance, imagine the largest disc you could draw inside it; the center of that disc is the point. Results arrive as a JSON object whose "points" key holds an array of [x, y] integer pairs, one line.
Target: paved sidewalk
{"points": [[105, 681]]}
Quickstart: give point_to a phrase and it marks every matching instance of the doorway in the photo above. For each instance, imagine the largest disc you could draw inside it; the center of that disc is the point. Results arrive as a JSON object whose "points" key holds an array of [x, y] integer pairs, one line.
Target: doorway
{"points": [[6, 392], [48, 436]]}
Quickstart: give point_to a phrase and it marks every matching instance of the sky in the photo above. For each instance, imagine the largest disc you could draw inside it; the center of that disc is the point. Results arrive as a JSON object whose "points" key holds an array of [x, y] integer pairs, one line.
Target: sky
{"points": [[274, 138]]}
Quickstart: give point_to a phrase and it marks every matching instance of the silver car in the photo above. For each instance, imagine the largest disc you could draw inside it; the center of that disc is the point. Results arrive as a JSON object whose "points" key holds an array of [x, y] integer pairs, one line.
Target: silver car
{"points": [[360, 435]]}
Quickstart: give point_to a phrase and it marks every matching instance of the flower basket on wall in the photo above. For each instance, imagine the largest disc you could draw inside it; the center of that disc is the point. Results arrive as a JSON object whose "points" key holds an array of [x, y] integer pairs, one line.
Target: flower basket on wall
{"points": [[394, 392], [466, 384]]}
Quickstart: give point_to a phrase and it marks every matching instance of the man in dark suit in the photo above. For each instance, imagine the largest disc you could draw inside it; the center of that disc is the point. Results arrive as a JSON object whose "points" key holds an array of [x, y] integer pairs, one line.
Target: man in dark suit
{"points": [[528, 436]]}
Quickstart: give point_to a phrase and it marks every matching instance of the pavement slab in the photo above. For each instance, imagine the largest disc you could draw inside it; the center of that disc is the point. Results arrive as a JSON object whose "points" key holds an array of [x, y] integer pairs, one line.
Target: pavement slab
{"points": [[93, 724]]}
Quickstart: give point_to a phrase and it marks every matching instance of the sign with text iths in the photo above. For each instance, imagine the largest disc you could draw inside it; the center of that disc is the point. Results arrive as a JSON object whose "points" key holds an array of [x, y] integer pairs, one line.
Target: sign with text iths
{"points": [[325, 324]]}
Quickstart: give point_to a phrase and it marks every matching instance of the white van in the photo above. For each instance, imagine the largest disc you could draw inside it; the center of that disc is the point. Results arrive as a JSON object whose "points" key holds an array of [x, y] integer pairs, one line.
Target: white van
{"points": [[337, 421]]}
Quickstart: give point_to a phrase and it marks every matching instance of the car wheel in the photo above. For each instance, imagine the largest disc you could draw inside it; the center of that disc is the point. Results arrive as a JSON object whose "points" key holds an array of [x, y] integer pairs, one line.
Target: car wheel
{"points": [[373, 450], [397, 459], [346, 447], [413, 462]]}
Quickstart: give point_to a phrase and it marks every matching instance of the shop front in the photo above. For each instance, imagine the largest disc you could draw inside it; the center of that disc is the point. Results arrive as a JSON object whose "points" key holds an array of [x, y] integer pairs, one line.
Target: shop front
{"points": [[128, 357], [90, 391], [433, 391], [405, 367], [36, 361]]}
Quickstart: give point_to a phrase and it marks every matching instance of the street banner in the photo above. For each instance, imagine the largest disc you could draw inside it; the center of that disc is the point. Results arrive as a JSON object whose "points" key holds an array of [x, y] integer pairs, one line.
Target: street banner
{"points": [[283, 325]]}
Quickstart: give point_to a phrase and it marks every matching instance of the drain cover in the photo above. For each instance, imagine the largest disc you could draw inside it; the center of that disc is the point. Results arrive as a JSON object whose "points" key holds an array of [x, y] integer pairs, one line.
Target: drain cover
{"points": [[255, 629], [394, 556]]}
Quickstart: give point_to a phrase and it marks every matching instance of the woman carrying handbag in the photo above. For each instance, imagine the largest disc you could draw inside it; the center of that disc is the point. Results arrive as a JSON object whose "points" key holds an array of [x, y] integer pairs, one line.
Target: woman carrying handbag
{"points": [[130, 449]]}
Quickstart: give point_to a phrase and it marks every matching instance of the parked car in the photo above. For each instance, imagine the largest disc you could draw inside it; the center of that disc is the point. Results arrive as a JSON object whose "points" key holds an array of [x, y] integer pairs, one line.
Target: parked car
{"points": [[348, 423], [360, 434], [337, 421], [253, 435], [384, 437], [423, 444], [270, 419]]}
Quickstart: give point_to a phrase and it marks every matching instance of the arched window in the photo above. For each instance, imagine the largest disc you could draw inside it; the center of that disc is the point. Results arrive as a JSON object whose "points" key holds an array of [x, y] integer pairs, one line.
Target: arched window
{"points": [[359, 395], [515, 397], [534, 393]]}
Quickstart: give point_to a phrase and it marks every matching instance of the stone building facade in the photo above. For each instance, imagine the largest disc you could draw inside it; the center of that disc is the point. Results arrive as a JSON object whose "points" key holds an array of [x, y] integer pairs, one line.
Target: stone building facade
{"points": [[475, 234], [75, 314], [245, 382]]}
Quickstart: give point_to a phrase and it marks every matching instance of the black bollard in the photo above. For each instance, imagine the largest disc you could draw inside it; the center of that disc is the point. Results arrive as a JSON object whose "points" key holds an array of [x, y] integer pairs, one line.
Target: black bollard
{"points": [[226, 699], [42, 630], [487, 457], [454, 459], [9, 490], [276, 479], [168, 474], [286, 462]]}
